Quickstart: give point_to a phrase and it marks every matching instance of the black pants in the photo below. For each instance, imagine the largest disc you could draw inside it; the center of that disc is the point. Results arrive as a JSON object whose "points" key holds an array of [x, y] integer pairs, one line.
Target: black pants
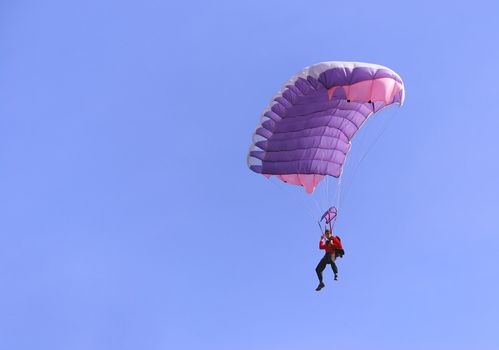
{"points": [[327, 259]]}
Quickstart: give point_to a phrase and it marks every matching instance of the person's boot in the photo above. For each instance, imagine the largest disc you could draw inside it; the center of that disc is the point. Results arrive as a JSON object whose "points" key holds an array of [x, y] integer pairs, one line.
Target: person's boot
{"points": [[335, 276], [320, 286]]}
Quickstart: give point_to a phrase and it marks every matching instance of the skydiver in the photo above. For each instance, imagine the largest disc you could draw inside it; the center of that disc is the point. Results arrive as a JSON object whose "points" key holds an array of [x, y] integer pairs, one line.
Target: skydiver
{"points": [[333, 247]]}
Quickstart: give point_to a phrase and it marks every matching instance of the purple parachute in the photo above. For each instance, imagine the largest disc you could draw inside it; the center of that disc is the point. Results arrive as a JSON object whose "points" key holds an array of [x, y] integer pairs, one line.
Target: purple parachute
{"points": [[329, 215], [306, 131]]}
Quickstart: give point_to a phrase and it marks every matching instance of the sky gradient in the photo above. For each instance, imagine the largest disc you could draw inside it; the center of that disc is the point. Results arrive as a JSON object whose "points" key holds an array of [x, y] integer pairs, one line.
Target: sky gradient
{"points": [[128, 216]]}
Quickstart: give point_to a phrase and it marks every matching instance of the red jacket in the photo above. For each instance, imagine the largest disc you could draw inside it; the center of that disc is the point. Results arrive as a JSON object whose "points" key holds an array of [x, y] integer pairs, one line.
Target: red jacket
{"points": [[330, 248]]}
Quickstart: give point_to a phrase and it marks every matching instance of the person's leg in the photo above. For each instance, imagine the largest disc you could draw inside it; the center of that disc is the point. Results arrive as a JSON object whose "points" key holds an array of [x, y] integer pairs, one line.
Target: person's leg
{"points": [[334, 267], [320, 267]]}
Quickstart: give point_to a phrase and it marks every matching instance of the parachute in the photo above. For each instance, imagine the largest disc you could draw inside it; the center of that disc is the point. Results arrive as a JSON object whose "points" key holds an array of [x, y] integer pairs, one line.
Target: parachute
{"points": [[305, 133], [329, 215]]}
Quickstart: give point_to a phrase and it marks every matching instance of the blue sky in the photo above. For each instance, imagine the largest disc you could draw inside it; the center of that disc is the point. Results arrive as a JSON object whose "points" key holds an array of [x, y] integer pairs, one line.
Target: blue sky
{"points": [[128, 217]]}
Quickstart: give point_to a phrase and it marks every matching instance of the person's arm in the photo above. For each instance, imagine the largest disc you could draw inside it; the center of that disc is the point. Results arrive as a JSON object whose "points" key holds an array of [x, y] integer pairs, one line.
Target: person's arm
{"points": [[322, 245]]}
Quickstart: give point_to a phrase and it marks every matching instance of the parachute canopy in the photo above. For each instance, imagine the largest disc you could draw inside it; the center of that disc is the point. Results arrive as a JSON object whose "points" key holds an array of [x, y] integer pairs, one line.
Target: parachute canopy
{"points": [[306, 131]]}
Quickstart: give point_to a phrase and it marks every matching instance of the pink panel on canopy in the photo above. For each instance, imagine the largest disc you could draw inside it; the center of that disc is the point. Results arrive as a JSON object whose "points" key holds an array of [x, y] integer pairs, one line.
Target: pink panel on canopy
{"points": [[330, 92], [290, 179], [381, 89], [359, 91], [308, 181]]}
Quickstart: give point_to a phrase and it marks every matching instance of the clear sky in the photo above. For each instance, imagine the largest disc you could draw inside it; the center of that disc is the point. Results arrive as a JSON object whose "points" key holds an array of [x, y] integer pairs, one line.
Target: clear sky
{"points": [[129, 219]]}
